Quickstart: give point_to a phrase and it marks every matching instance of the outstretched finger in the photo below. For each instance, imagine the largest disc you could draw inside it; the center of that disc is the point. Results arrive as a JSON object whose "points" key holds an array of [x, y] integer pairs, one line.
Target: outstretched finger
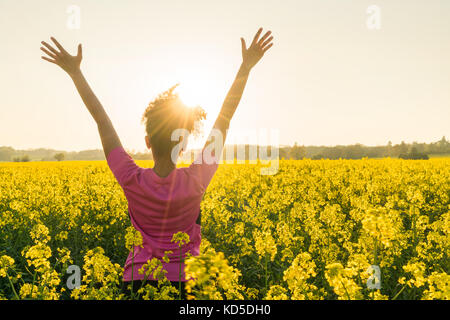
{"points": [[264, 37], [255, 39], [266, 42], [50, 47], [49, 60], [268, 47], [80, 51], [244, 46], [60, 47], [48, 53]]}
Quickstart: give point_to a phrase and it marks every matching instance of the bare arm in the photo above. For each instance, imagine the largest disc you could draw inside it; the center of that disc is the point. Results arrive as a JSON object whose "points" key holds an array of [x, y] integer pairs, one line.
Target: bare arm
{"points": [[71, 64], [250, 57]]}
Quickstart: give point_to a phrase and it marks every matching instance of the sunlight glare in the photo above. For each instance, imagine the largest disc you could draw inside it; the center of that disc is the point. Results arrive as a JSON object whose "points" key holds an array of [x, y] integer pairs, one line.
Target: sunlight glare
{"points": [[196, 89]]}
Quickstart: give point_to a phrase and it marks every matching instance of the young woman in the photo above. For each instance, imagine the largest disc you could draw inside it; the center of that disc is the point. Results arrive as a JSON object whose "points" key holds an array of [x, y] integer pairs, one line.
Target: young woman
{"points": [[162, 200]]}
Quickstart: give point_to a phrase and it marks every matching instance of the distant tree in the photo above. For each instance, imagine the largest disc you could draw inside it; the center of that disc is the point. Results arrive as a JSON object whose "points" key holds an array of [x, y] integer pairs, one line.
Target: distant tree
{"points": [[354, 152], [284, 153], [414, 155], [6, 153], [297, 152], [25, 158], [443, 145], [318, 157], [403, 147], [59, 156], [388, 152]]}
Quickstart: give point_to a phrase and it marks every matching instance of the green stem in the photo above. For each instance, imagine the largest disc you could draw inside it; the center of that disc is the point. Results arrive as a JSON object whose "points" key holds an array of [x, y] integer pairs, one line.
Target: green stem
{"points": [[17, 273], [395, 297], [346, 292], [12, 287], [142, 283], [32, 285], [375, 251]]}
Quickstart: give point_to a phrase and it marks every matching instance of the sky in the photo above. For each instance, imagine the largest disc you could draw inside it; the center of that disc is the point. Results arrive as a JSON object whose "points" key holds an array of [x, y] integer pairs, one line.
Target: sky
{"points": [[337, 73]]}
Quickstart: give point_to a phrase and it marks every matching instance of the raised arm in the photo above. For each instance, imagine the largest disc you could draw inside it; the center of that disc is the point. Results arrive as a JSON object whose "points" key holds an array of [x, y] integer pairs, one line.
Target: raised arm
{"points": [[71, 64], [250, 57]]}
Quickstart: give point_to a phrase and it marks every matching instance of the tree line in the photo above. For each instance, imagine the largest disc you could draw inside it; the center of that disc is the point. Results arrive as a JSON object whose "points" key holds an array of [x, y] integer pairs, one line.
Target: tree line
{"points": [[403, 150]]}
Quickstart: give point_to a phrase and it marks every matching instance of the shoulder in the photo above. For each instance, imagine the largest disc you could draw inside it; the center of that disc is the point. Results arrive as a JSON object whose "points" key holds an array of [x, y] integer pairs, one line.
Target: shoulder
{"points": [[122, 165]]}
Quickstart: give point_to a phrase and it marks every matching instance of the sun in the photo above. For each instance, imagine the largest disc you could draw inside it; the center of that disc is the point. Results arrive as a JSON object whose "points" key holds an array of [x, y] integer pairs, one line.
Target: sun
{"points": [[196, 89], [201, 86], [191, 94]]}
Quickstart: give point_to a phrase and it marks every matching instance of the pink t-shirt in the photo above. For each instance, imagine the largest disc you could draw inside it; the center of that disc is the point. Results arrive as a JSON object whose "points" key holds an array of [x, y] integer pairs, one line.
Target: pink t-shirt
{"points": [[160, 207]]}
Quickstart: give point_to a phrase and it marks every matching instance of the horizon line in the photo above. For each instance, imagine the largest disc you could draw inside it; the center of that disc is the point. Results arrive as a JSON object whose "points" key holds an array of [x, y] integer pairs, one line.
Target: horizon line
{"points": [[228, 145]]}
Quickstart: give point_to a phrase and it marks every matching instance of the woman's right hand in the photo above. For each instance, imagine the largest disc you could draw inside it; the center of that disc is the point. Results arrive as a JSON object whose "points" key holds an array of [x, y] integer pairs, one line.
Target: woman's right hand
{"points": [[69, 63]]}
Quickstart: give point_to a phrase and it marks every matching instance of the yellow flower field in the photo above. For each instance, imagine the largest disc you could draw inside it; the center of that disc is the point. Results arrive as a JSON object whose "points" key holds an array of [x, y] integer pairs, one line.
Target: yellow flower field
{"points": [[341, 229]]}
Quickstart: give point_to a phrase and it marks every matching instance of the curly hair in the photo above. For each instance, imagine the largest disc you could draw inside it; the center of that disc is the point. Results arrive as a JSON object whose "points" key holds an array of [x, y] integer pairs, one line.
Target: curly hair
{"points": [[164, 115]]}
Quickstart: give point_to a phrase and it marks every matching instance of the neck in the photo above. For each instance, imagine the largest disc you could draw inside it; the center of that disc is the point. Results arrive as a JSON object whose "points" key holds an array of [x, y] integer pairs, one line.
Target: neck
{"points": [[163, 167]]}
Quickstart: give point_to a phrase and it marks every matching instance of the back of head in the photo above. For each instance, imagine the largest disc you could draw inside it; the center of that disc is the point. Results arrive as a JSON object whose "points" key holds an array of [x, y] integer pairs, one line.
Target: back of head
{"points": [[166, 114]]}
